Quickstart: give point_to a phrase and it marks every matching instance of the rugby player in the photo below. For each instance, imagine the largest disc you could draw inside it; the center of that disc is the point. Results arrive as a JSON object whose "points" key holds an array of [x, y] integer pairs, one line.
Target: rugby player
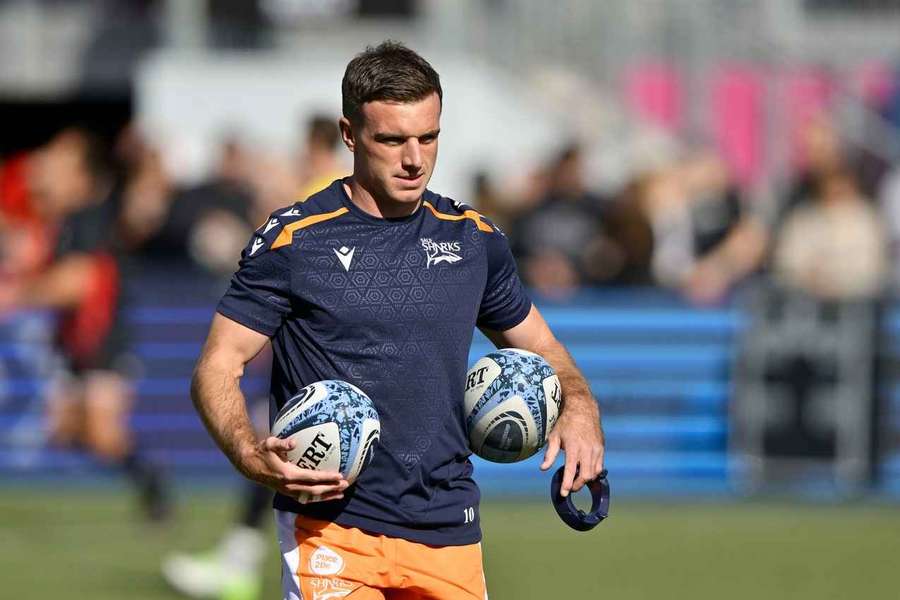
{"points": [[380, 282]]}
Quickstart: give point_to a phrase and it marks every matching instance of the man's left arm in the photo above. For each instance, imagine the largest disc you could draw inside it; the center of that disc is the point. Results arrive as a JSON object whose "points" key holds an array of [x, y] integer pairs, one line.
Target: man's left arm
{"points": [[578, 431]]}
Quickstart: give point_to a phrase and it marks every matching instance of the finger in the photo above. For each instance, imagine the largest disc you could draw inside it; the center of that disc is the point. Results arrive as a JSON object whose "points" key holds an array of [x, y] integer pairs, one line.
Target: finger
{"points": [[308, 499], [313, 490], [328, 497], [583, 475], [316, 488], [587, 466], [274, 444], [552, 451], [568, 474], [598, 464], [295, 474]]}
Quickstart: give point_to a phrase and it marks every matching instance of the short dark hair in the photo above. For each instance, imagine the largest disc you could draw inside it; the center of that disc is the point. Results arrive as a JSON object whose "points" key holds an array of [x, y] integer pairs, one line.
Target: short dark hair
{"points": [[389, 71]]}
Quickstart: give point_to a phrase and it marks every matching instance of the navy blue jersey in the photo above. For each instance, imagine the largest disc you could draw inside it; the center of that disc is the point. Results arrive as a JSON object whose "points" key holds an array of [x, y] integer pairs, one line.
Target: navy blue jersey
{"points": [[389, 305]]}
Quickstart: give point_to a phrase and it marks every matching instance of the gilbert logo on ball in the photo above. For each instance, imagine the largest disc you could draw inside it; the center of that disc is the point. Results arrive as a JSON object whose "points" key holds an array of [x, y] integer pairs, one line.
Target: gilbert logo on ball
{"points": [[512, 402], [335, 426]]}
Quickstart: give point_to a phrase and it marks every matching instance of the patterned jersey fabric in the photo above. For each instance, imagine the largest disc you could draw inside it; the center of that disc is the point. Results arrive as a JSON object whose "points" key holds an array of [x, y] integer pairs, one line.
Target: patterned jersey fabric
{"points": [[389, 305]]}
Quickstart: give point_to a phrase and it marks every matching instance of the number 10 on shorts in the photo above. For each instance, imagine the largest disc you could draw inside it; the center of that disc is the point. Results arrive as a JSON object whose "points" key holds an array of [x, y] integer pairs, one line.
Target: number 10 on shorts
{"points": [[468, 514]]}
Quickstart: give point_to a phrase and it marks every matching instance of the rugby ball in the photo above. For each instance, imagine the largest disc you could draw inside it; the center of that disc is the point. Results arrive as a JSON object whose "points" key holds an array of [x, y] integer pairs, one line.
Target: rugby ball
{"points": [[335, 427], [512, 402]]}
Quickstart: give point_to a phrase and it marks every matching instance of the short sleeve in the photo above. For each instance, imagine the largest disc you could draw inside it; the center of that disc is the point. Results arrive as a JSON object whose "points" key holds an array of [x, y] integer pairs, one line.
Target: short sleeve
{"points": [[505, 303], [259, 294]]}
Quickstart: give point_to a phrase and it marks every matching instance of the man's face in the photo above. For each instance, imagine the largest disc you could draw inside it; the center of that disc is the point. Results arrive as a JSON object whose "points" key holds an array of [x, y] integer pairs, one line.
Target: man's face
{"points": [[395, 147], [59, 177]]}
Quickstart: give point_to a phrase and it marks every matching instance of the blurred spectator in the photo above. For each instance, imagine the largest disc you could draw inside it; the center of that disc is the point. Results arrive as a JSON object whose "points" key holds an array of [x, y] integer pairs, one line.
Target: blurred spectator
{"points": [[500, 207], [208, 223], [147, 188], [561, 242], [273, 183], [27, 229], [684, 226], [319, 162], [834, 246], [728, 239], [667, 209], [90, 408], [631, 233], [277, 181], [889, 204], [820, 152]]}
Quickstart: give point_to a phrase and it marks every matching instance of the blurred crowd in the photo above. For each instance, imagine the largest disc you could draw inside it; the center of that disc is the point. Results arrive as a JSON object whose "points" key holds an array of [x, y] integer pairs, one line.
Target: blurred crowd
{"points": [[830, 231], [145, 216], [82, 218]]}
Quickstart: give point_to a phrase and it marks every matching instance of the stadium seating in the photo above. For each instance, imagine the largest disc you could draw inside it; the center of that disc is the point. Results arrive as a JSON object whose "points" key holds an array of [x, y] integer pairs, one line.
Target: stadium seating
{"points": [[660, 368]]}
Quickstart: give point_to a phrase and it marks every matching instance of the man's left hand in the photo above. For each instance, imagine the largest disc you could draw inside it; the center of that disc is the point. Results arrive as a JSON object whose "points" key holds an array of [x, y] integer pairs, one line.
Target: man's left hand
{"points": [[578, 434]]}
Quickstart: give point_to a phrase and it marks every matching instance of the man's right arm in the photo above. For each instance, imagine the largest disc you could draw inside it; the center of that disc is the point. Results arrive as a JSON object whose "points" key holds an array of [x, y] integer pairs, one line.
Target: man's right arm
{"points": [[217, 396]]}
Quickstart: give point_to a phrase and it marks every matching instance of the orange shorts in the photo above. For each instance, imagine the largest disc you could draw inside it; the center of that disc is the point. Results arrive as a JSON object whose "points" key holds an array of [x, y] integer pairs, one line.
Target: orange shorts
{"points": [[323, 560]]}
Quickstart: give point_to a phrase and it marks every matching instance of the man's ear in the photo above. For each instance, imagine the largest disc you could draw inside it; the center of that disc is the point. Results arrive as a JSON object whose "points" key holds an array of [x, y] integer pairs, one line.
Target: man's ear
{"points": [[347, 133]]}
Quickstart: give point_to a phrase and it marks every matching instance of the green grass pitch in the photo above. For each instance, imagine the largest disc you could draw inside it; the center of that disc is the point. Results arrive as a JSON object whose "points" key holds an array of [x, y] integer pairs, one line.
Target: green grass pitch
{"points": [[87, 544]]}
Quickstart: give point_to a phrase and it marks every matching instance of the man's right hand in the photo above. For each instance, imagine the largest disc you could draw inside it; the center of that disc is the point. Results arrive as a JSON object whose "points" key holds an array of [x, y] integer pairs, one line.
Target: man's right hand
{"points": [[267, 464], [216, 393]]}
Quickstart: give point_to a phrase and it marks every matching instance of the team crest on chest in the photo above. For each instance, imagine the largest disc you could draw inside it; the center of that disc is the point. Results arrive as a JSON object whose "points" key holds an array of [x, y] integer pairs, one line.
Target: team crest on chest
{"points": [[438, 252]]}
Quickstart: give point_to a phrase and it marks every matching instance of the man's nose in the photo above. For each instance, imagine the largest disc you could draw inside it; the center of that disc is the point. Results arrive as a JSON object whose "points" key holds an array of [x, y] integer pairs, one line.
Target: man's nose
{"points": [[412, 155]]}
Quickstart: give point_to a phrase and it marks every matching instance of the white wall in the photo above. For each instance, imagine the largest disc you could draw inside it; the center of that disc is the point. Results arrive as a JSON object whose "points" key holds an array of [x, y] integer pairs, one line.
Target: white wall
{"points": [[187, 103]]}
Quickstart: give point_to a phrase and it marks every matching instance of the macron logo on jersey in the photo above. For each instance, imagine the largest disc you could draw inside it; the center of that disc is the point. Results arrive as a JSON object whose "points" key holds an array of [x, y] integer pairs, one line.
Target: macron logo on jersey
{"points": [[257, 244], [345, 255], [272, 223], [438, 252]]}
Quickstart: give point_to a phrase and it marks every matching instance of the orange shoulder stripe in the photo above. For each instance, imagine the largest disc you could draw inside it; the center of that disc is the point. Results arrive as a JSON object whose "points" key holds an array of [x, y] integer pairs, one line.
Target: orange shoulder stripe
{"points": [[287, 234], [469, 214]]}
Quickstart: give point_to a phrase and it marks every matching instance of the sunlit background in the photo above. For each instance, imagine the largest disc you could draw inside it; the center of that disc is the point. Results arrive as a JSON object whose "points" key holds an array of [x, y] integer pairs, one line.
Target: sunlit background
{"points": [[702, 195]]}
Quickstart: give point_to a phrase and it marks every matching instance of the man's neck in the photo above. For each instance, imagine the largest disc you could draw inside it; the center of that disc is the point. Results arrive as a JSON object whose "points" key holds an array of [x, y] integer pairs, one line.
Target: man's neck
{"points": [[377, 207]]}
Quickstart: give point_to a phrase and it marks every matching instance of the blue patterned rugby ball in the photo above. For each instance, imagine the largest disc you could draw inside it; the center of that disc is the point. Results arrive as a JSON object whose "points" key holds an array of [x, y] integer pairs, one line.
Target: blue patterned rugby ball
{"points": [[335, 426], [512, 402]]}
